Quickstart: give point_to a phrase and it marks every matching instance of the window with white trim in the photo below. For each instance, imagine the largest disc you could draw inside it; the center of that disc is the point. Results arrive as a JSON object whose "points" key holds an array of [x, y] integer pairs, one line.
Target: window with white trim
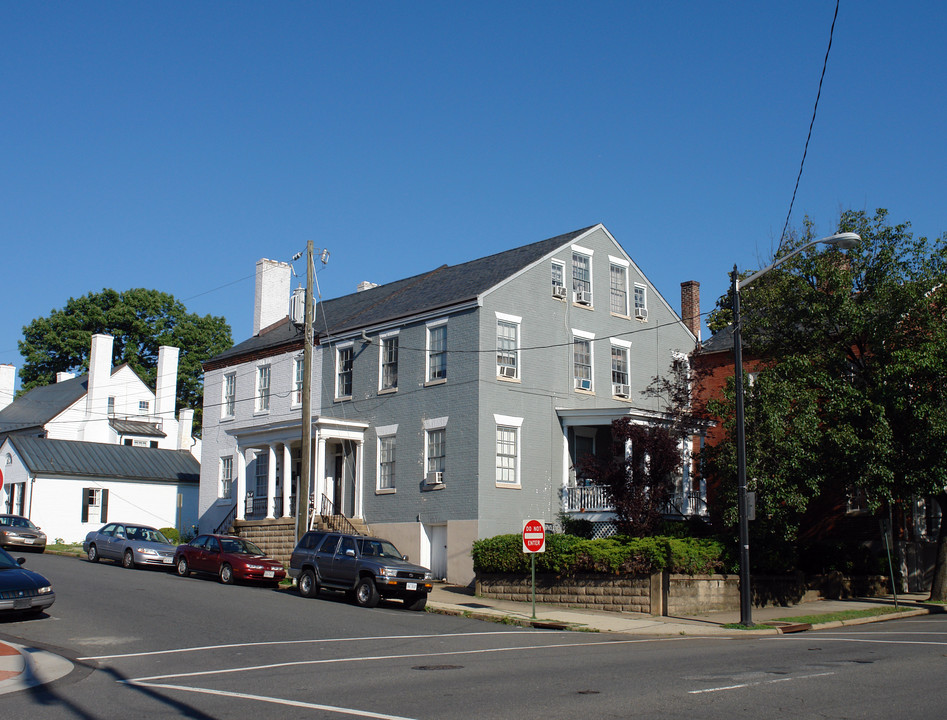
{"points": [[437, 352], [143, 406], [263, 388], [262, 465], [343, 371], [508, 334], [111, 405], [226, 478], [582, 278], [229, 400], [641, 302], [618, 289], [582, 360], [435, 449], [389, 362], [299, 370], [620, 384], [386, 462], [507, 450], [558, 275]]}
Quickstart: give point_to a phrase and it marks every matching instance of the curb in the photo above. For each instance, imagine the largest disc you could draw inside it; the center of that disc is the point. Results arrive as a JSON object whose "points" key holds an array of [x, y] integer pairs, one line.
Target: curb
{"points": [[12, 665]]}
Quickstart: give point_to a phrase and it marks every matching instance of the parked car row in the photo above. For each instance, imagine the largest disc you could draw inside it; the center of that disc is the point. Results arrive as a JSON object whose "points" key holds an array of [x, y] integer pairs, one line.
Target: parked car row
{"points": [[367, 568]]}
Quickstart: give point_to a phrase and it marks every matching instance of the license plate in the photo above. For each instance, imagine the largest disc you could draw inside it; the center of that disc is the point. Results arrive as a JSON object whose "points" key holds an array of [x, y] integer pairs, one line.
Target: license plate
{"points": [[167, 561], [268, 573], [22, 604], [410, 586], [28, 541]]}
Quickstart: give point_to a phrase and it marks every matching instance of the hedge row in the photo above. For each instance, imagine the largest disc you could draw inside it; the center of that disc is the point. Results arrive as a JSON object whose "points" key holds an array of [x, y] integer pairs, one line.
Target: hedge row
{"points": [[568, 554]]}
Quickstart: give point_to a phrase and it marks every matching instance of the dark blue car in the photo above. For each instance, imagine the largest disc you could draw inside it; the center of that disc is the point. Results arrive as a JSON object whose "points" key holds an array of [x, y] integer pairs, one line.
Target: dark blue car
{"points": [[22, 590]]}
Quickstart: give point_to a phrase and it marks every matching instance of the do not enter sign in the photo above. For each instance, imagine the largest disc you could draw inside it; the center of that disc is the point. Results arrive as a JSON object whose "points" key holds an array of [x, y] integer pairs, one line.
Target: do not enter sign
{"points": [[534, 537]]}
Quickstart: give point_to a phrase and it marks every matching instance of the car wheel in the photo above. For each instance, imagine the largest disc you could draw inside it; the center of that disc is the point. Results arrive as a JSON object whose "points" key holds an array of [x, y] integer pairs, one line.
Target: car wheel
{"points": [[418, 602], [366, 594], [128, 560], [308, 587], [93, 553], [226, 574], [182, 569]]}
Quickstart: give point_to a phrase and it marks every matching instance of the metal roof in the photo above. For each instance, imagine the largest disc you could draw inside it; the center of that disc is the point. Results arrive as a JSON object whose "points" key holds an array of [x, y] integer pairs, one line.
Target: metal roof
{"points": [[43, 456]]}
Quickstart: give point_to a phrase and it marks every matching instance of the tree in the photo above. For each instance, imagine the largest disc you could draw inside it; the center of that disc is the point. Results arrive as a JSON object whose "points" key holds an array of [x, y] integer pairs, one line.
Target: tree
{"points": [[853, 394], [140, 321], [637, 472]]}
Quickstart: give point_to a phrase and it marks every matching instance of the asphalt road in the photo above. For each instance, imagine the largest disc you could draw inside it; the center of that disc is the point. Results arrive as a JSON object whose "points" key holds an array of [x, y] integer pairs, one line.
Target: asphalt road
{"points": [[148, 644]]}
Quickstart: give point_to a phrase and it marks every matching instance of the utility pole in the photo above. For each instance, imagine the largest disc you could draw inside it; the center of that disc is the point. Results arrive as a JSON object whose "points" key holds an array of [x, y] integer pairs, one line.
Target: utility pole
{"points": [[305, 471]]}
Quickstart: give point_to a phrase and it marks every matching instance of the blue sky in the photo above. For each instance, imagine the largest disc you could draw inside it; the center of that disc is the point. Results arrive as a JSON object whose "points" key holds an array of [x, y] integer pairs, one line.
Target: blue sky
{"points": [[170, 145]]}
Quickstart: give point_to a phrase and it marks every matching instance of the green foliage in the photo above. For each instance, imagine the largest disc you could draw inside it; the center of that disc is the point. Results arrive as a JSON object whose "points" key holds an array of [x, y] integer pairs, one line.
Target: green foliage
{"points": [[172, 534], [567, 555], [580, 527], [140, 321], [852, 392]]}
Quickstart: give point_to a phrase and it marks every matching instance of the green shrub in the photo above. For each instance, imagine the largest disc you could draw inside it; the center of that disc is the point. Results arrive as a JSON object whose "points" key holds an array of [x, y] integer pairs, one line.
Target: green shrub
{"points": [[172, 534], [567, 555]]}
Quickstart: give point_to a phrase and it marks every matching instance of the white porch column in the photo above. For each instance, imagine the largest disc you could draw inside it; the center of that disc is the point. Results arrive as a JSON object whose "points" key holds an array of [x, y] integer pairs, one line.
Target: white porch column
{"points": [[270, 480], [240, 483], [319, 474], [287, 479], [357, 480]]}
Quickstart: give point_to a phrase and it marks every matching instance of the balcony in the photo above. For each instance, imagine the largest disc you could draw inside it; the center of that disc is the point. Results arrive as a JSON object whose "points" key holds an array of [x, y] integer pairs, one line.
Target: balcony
{"points": [[585, 497]]}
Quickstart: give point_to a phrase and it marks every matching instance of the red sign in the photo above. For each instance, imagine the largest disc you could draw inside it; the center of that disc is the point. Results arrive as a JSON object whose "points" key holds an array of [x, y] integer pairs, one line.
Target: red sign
{"points": [[534, 537]]}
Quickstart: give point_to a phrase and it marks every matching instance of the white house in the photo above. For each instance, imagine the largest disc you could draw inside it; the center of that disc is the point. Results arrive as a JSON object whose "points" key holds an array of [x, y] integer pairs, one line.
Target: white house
{"points": [[80, 442]]}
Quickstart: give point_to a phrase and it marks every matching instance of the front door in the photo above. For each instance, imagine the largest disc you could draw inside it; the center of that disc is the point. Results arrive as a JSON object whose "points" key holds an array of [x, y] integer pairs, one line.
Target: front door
{"points": [[439, 551]]}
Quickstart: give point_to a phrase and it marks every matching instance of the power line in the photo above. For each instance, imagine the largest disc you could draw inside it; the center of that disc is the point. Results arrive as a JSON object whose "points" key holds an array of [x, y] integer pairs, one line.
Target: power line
{"points": [[825, 63]]}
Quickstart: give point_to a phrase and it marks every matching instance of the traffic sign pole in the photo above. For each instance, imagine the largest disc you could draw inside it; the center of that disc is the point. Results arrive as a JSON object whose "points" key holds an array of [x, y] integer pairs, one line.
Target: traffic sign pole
{"points": [[534, 541]]}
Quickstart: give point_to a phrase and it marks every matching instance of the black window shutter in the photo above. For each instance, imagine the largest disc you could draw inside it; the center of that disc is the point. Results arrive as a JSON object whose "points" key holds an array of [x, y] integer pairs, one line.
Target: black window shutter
{"points": [[85, 504], [105, 505]]}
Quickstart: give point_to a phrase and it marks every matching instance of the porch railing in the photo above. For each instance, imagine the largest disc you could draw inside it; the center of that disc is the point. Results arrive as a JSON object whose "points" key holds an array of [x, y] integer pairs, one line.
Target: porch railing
{"points": [[335, 520], [225, 524], [593, 498], [586, 498]]}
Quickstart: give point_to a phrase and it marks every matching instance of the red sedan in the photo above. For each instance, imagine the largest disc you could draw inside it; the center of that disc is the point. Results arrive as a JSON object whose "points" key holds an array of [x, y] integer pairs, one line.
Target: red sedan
{"points": [[229, 558]]}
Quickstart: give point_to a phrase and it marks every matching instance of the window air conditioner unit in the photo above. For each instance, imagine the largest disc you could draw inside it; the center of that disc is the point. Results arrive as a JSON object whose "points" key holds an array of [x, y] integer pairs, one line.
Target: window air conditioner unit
{"points": [[507, 371], [583, 384], [434, 478], [559, 291], [583, 297], [621, 390], [641, 313]]}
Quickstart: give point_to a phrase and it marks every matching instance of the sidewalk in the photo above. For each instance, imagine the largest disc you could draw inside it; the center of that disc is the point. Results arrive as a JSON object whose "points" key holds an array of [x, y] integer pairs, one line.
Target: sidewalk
{"points": [[23, 667], [456, 600]]}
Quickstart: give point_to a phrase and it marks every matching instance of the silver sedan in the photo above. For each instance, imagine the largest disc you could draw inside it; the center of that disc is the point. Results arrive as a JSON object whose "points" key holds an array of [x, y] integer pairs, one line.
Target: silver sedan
{"points": [[129, 544]]}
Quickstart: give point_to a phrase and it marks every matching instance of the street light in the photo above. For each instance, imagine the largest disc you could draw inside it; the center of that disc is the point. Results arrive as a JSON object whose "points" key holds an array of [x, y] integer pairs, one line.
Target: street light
{"points": [[843, 241]]}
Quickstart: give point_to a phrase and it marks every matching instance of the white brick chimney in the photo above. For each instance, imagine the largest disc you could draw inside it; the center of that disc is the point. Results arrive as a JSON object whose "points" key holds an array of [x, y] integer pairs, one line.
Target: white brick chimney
{"points": [[271, 301], [97, 396], [7, 382], [166, 383]]}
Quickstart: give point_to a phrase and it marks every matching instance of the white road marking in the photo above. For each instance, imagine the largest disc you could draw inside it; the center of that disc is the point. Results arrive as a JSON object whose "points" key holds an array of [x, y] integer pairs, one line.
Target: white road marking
{"points": [[835, 638], [300, 663], [205, 648], [274, 700], [754, 684]]}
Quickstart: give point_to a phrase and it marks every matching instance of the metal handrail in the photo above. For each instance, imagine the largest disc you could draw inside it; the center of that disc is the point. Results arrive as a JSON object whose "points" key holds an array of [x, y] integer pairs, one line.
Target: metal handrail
{"points": [[335, 521], [228, 520]]}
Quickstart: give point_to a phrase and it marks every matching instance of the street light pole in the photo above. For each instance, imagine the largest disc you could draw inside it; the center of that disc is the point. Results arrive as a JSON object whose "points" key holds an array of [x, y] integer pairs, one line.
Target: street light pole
{"points": [[843, 241]]}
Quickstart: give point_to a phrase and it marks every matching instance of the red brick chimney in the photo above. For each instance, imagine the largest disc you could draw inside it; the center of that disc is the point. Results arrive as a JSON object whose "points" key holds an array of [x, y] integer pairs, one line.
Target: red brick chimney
{"points": [[690, 306]]}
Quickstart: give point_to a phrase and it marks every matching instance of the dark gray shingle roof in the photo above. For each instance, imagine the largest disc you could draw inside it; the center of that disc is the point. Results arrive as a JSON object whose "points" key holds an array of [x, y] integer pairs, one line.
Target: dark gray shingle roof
{"points": [[42, 404], [100, 460], [443, 287]]}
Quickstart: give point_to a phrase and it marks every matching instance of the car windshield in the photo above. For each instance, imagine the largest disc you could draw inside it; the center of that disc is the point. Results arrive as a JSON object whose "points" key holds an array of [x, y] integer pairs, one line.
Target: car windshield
{"points": [[145, 534], [17, 522], [379, 548], [239, 545], [7, 560]]}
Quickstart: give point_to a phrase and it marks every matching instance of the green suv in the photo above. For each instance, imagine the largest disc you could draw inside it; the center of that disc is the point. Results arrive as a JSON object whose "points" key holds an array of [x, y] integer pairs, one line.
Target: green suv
{"points": [[368, 568]]}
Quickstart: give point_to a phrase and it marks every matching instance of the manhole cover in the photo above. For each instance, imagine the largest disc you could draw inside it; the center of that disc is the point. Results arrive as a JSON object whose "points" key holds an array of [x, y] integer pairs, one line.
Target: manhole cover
{"points": [[437, 667]]}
